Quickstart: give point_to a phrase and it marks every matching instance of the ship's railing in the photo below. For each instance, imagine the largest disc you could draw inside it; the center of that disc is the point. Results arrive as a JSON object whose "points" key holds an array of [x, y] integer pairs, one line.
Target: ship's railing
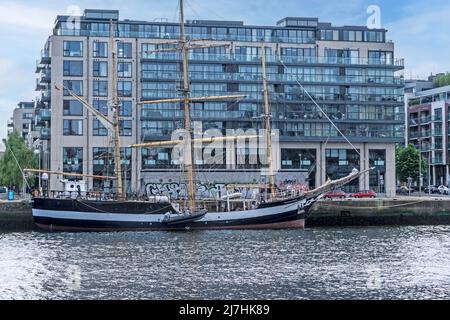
{"points": [[95, 196]]}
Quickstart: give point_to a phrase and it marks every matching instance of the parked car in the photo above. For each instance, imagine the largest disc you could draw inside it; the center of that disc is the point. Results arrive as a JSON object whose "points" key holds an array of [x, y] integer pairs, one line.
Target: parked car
{"points": [[443, 190], [404, 190], [3, 190], [364, 194], [336, 194], [431, 189]]}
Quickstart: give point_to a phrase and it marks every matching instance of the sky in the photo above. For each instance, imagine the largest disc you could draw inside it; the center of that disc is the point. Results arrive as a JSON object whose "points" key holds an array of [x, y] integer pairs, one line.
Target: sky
{"points": [[419, 29]]}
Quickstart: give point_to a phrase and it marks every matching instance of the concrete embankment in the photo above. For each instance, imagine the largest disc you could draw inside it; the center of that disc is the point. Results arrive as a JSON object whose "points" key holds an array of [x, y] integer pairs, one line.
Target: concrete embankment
{"points": [[15, 216], [373, 212]]}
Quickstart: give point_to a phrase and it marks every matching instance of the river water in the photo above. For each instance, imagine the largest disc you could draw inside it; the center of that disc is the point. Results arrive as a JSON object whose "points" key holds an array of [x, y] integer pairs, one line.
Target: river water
{"points": [[344, 263]]}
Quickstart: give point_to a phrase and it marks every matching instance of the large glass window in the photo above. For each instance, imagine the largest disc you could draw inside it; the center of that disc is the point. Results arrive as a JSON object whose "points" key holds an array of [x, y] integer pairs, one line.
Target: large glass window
{"points": [[73, 68], [126, 109], [72, 108], [381, 57], [124, 69], [100, 49], [73, 127], [124, 88], [100, 68], [73, 160], [100, 88], [156, 158], [99, 129], [76, 86], [101, 106], [340, 163], [377, 177], [126, 128], [73, 49], [124, 50]]}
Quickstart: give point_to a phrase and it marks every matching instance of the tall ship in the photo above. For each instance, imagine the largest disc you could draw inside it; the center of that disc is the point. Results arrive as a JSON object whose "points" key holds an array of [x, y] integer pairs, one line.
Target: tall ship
{"points": [[271, 209]]}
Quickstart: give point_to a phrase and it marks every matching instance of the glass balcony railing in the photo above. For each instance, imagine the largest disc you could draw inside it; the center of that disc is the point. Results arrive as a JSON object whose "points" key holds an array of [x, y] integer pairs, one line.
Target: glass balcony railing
{"points": [[45, 57], [244, 76], [437, 161], [437, 133], [45, 133], [227, 57], [46, 96]]}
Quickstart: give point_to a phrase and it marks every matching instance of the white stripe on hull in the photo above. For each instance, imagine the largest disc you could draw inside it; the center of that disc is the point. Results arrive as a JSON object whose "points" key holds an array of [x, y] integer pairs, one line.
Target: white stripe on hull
{"points": [[155, 218]]}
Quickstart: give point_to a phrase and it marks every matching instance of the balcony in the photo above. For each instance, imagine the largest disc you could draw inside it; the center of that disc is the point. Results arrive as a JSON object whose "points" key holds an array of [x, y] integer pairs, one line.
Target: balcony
{"points": [[43, 116], [46, 96], [302, 60], [437, 133], [414, 122], [46, 76], [39, 85], [39, 66], [45, 57], [424, 120], [437, 161], [45, 133]]}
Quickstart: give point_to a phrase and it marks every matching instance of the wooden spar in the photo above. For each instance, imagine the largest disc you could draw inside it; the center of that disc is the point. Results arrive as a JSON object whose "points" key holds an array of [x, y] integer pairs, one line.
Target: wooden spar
{"points": [[267, 121], [70, 174], [195, 99], [159, 144], [116, 135], [102, 118], [187, 110]]}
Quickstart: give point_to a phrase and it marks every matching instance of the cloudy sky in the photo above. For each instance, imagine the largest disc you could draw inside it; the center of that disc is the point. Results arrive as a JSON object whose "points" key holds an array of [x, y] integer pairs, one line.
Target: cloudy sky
{"points": [[420, 30]]}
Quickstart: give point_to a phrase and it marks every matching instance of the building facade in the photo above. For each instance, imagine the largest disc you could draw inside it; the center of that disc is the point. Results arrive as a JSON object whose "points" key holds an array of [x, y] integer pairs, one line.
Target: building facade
{"points": [[428, 116], [23, 121], [350, 71]]}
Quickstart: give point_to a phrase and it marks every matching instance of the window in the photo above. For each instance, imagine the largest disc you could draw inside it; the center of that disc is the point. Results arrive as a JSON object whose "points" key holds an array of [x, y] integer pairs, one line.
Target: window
{"points": [[73, 127], [126, 109], [100, 68], [76, 86], [124, 70], [100, 49], [101, 106], [126, 128], [28, 116], [124, 88], [100, 88], [73, 49], [124, 50], [156, 158], [98, 129], [72, 108], [73, 160], [73, 68], [381, 57]]}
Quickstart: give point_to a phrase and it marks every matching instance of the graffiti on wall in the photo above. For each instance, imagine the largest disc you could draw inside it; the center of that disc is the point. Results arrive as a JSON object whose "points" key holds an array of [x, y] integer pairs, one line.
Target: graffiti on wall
{"points": [[179, 191]]}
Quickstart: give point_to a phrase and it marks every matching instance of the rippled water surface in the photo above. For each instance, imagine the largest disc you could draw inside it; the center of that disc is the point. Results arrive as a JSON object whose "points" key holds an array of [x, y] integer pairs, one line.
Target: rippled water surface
{"points": [[348, 263]]}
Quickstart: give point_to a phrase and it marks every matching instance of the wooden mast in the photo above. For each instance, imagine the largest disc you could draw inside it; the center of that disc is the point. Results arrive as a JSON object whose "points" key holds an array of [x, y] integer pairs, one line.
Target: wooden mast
{"points": [[267, 123], [116, 109], [188, 152]]}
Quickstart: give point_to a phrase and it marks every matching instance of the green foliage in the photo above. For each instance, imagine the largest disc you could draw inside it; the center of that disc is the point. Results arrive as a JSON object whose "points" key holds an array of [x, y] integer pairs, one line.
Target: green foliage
{"points": [[442, 80], [407, 163], [10, 174]]}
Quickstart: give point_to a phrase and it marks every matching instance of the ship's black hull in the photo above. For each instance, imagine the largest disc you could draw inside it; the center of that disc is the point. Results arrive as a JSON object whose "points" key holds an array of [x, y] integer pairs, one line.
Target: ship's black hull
{"points": [[73, 215]]}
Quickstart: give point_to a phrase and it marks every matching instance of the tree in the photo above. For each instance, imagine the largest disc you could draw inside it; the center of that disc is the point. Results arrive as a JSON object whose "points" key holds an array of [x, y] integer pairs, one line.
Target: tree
{"points": [[10, 174], [407, 163], [442, 80]]}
